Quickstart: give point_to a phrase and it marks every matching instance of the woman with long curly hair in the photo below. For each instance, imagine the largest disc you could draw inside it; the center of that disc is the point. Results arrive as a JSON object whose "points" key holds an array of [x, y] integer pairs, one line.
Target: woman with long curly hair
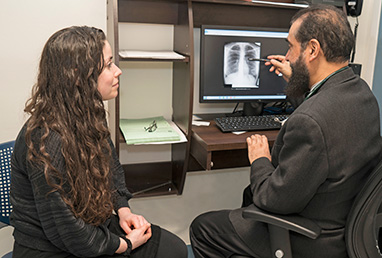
{"points": [[67, 186]]}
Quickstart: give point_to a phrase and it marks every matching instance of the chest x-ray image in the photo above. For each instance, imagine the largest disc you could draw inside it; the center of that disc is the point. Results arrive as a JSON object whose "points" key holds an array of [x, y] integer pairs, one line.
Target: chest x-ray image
{"points": [[239, 72]]}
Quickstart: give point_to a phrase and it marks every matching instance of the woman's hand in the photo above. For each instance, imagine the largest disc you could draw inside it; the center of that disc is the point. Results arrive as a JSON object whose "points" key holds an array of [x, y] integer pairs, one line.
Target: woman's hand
{"points": [[137, 238], [140, 235], [136, 227], [258, 147], [129, 221], [280, 66]]}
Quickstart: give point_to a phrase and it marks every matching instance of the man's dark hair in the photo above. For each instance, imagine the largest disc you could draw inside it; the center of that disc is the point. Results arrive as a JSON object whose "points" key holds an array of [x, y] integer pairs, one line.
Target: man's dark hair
{"points": [[328, 25]]}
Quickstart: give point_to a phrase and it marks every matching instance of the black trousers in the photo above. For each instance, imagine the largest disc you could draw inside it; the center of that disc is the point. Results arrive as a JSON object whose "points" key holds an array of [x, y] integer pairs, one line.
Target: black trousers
{"points": [[213, 235], [170, 246], [162, 244]]}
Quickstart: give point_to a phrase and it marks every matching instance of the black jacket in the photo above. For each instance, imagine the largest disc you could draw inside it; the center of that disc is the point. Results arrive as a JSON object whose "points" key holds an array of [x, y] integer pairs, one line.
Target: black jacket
{"points": [[320, 160], [43, 221]]}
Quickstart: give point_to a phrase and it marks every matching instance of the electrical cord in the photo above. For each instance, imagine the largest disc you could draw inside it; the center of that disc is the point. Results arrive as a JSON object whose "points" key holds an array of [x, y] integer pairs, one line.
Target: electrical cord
{"points": [[355, 39]]}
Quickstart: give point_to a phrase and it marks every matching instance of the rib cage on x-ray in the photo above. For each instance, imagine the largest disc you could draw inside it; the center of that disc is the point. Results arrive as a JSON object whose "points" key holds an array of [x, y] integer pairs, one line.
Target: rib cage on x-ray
{"points": [[238, 70]]}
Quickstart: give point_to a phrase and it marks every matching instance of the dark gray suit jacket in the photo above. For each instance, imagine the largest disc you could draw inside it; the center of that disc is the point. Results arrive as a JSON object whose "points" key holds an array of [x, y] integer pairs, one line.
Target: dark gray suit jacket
{"points": [[320, 159]]}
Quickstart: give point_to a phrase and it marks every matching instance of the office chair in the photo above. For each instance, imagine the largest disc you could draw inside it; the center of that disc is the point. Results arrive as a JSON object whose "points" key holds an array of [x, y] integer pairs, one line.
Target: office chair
{"points": [[362, 228], [6, 150]]}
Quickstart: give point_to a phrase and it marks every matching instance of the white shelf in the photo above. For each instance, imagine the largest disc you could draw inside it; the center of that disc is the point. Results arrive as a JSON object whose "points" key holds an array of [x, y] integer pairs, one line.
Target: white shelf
{"points": [[151, 55]]}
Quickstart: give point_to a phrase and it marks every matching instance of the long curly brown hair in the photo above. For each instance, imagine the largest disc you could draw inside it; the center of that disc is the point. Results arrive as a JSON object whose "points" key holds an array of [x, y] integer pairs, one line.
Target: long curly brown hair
{"points": [[65, 100]]}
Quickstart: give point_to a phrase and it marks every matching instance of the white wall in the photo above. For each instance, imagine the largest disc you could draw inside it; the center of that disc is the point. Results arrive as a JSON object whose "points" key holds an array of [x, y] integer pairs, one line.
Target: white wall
{"points": [[25, 27], [367, 38]]}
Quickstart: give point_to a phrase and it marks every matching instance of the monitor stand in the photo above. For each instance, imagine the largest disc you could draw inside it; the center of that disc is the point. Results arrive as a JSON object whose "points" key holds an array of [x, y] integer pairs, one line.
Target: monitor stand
{"points": [[253, 108]]}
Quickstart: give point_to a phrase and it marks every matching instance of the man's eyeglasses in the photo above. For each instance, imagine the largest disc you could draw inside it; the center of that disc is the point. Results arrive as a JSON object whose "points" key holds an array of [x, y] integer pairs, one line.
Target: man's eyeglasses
{"points": [[152, 127]]}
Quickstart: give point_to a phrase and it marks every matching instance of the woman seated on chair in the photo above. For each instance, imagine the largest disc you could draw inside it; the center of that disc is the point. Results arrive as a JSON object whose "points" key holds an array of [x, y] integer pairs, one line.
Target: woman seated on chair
{"points": [[66, 177]]}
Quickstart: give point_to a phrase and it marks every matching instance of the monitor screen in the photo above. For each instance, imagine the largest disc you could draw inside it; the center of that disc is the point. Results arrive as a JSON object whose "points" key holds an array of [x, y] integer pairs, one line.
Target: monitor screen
{"points": [[227, 73]]}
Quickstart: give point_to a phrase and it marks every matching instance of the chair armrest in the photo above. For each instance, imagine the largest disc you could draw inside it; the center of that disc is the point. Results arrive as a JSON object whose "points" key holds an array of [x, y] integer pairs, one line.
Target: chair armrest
{"points": [[294, 223]]}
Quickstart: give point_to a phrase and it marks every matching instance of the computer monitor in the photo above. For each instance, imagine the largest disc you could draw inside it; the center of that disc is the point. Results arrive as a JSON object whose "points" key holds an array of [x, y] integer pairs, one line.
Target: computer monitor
{"points": [[227, 73]]}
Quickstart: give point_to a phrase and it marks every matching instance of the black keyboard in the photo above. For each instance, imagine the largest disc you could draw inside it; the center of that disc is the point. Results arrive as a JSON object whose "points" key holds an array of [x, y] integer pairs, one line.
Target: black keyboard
{"points": [[249, 123]]}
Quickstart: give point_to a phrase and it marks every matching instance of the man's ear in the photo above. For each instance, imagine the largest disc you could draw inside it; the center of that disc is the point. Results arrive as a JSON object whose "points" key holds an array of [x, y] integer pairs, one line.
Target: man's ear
{"points": [[314, 49]]}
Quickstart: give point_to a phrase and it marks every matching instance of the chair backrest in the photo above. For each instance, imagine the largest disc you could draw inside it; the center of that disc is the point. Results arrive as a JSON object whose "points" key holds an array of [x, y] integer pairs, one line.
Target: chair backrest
{"points": [[6, 150], [364, 224]]}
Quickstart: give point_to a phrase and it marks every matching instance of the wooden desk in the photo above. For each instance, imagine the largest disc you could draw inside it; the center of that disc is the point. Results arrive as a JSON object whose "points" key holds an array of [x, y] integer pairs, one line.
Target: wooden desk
{"points": [[213, 149]]}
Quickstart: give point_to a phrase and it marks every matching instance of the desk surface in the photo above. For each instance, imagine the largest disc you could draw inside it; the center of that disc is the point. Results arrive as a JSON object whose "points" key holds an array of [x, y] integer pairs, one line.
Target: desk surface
{"points": [[213, 148], [214, 140]]}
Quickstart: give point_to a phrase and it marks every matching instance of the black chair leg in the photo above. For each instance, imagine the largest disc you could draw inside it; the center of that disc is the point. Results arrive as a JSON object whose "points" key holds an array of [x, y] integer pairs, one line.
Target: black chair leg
{"points": [[280, 242]]}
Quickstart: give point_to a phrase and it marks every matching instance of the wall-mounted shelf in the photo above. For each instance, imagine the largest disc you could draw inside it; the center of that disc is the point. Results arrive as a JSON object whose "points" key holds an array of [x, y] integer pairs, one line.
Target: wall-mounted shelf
{"points": [[154, 59], [152, 56], [158, 178]]}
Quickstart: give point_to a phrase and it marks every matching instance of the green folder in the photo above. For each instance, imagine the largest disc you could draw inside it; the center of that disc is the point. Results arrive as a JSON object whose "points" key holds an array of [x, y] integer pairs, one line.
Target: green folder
{"points": [[147, 130]]}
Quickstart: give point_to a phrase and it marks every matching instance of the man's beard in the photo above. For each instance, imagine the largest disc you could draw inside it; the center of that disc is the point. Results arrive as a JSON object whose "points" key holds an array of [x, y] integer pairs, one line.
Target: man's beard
{"points": [[298, 84]]}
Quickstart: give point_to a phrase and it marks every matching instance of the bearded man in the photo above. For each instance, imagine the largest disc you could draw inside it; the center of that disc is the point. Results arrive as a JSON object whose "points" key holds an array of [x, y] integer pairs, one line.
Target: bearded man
{"points": [[322, 156]]}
